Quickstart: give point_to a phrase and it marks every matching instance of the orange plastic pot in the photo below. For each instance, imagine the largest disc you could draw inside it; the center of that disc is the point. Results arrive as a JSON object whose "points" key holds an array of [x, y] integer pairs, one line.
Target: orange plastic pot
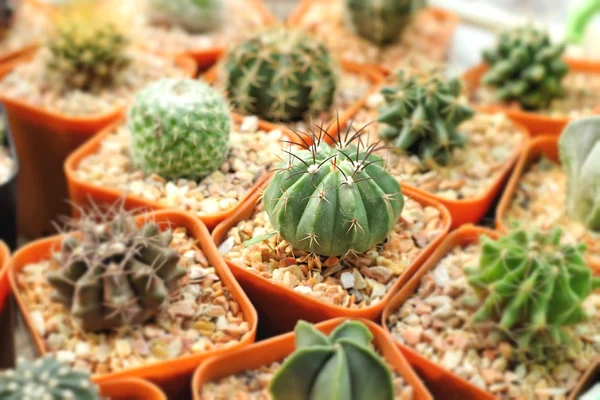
{"points": [[172, 375], [537, 123], [591, 377], [7, 348], [280, 307], [43, 140], [131, 389], [278, 348]]}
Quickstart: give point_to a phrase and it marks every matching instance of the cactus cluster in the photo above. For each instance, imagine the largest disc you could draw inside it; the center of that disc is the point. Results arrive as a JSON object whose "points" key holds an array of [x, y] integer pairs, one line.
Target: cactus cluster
{"points": [[7, 16], [526, 67], [340, 366], [46, 378], [179, 128], [88, 49], [332, 201], [280, 75], [193, 15], [114, 274], [533, 286], [421, 114], [579, 148], [381, 21]]}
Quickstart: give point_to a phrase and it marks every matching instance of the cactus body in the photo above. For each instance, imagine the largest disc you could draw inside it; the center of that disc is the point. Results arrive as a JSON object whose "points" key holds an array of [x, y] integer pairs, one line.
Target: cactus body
{"points": [[341, 366], [116, 274], [194, 15], [280, 75], [46, 379], [526, 67], [179, 129], [421, 114]]}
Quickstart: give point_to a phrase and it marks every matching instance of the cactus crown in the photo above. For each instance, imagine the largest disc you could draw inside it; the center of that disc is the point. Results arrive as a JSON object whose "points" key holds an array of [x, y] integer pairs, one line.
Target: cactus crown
{"points": [[114, 274], [534, 286], [340, 366], [579, 148], [280, 75], [88, 49], [46, 378], [332, 201], [421, 114], [194, 15], [526, 67], [7, 16]]}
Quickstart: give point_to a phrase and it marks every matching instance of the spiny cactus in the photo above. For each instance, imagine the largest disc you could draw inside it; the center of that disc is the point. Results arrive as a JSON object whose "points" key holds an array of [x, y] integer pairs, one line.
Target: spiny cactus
{"points": [[46, 379], [115, 274], [421, 114], [533, 285], [88, 50], [579, 148], [179, 129], [341, 366], [334, 201], [526, 67], [381, 21], [280, 75], [193, 15], [7, 16]]}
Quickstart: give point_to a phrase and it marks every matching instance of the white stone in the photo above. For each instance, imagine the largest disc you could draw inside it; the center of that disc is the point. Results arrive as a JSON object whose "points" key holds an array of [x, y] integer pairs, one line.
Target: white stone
{"points": [[82, 349], [452, 359], [303, 289], [38, 322], [65, 356], [249, 124], [227, 245], [123, 347], [359, 281], [197, 273], [375, 100], [440, 274], [347, 279]]}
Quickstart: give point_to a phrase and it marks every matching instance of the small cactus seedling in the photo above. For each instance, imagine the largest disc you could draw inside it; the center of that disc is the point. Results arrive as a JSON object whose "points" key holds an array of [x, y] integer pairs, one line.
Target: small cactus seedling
{"points": [[526, 67], [534, 286], [7, 16], [179, 129], [381, 21], [193, 15], [115, 274], [46, 379], [280, 75], [579, 148], [334, 201], [341, 366], [421, 115]]}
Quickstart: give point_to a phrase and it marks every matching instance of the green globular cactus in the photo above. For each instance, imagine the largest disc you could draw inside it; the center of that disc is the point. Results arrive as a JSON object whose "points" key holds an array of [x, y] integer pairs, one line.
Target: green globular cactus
{"points": [[334, 201], [115, 274], [421, 114], [46, 379], [533, 286], [193, 15], [526, 67], [341, 366], [179, 128], [381, 21], [280, 75], [579, 148]]}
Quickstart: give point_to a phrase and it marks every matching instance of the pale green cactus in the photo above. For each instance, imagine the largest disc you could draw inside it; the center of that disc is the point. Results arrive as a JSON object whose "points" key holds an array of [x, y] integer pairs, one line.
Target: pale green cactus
{"points": [[193, 15]]}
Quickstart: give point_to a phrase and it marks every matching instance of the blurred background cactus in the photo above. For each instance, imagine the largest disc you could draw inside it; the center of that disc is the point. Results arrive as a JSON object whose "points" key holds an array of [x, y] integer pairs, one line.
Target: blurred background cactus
{"points": [[193, 15], [7, 15]]}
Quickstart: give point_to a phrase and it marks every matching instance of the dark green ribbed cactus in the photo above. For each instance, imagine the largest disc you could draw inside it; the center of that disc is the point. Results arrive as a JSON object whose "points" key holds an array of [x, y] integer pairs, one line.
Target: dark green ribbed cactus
{"points": [[381, 21], [341, 366], [193, 15], [333, 201], [421, 115], [280, 75], [526, 67], [579, 148], [115, 274], [533, 285], [46, 379]]}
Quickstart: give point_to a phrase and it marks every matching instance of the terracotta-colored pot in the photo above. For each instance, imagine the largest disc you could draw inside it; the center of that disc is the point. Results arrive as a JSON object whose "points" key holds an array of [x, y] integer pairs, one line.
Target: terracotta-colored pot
{"points": [[7, 342], [131, 389], [172, 375], [591, 377], [278, 348]]}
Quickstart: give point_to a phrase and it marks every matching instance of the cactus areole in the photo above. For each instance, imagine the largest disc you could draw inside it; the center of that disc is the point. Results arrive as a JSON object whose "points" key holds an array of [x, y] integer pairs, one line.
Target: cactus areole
{"points": [[332, 201]]}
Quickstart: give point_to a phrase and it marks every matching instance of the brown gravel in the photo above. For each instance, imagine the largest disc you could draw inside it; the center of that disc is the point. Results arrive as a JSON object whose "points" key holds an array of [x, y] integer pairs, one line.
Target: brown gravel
{"points": [[540, 200], [6, 160], [29, 27], [435, 322], [202, 317]]}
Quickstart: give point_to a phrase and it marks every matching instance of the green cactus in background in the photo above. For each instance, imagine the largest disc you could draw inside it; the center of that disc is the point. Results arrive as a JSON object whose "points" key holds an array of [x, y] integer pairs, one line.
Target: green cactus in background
{"points": [[280, 75], [579, 148], [526, 67], [46, 379], [421, 114], [533, 286], [179, 129], [334, 201], [193, 15], [7, 16], [115, 274], [341, 366], [381, 21]]}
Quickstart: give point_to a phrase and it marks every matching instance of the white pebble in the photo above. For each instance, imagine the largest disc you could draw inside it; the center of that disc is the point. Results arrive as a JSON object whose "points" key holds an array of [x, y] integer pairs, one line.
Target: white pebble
{"points": [[82, 349], [123, 348], [452, 359], [440, 274], [65, 356], [303, 289], [347, 279], [227, 245], [38, 322], [197, 273], [249, 124]]}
